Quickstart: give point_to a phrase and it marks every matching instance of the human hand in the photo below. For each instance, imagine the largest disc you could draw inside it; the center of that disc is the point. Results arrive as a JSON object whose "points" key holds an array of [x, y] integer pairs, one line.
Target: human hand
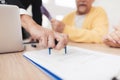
{"points": [[111, 44], [113, 39], [117, 28], [57, 26], [46, 38]]}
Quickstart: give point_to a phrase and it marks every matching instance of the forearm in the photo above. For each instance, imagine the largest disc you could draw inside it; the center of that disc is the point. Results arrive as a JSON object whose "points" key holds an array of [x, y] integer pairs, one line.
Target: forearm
{"points": [[28, 23], [57, 25], [84, 35]]}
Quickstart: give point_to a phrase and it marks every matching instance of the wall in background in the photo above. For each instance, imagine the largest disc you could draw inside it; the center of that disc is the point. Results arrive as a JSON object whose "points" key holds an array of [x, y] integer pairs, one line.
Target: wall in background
{"points": [[59, 8], [112, 8]]}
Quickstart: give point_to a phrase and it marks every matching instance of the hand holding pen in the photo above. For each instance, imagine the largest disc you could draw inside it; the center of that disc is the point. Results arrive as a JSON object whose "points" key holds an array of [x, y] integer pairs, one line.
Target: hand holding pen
{"points": [[60, 41], [33, 44]]}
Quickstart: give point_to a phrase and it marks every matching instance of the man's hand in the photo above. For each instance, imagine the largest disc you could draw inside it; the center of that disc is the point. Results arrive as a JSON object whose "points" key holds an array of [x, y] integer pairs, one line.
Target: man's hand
{"points": [[46, 38], [57, 26]]}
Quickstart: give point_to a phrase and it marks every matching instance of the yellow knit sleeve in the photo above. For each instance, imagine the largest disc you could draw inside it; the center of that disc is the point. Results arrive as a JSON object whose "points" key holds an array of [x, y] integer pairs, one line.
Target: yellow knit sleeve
{"points": [[99, 28]]}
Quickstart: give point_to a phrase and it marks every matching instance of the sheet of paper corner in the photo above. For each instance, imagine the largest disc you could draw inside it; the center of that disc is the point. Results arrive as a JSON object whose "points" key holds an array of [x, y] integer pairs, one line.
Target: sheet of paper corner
{"points": [[75, 56]]}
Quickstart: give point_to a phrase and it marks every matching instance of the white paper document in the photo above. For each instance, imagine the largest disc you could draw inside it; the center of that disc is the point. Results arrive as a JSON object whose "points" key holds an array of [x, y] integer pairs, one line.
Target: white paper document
{"points": [[77, 64]]}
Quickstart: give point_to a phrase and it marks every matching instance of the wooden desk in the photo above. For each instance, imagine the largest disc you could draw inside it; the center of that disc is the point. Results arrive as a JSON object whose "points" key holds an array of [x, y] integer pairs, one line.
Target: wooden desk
{"points": [[14, 66], [98, 47]]}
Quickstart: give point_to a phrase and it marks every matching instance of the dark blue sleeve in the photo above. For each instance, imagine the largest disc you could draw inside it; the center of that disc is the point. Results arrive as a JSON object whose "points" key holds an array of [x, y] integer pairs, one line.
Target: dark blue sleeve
{"points": [[15, 2]]}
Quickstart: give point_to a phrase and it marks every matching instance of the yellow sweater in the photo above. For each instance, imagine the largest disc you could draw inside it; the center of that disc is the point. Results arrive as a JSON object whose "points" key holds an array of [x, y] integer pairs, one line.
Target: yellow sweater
{"points": [[94, 27]]}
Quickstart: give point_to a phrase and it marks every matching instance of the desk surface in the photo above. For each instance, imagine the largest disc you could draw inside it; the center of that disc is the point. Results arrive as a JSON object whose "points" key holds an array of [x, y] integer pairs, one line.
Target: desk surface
{"points": [[14, 66]]}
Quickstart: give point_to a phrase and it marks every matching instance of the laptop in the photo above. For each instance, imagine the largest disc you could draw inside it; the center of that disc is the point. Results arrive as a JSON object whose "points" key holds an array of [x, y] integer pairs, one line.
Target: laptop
{"points": [[10, 29]]}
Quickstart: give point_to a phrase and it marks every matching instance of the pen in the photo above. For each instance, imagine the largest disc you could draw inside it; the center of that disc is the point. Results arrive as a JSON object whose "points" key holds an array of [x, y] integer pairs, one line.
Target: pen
{"points": [[45, 12], [49, 50], [65, 49], [33, 43]]}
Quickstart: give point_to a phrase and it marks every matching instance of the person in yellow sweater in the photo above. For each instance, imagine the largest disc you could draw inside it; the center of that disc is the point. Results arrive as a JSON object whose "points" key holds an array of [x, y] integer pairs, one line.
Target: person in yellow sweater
{"points": [[87, 24]]}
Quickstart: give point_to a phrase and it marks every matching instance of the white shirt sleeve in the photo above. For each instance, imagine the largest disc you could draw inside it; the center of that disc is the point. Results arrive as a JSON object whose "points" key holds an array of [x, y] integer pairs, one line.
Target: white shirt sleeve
{"points": [[23, 11]]}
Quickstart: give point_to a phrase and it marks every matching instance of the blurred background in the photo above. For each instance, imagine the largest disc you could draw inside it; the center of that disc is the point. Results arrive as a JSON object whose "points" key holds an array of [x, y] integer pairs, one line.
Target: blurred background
{"points": [[59, 8]]}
